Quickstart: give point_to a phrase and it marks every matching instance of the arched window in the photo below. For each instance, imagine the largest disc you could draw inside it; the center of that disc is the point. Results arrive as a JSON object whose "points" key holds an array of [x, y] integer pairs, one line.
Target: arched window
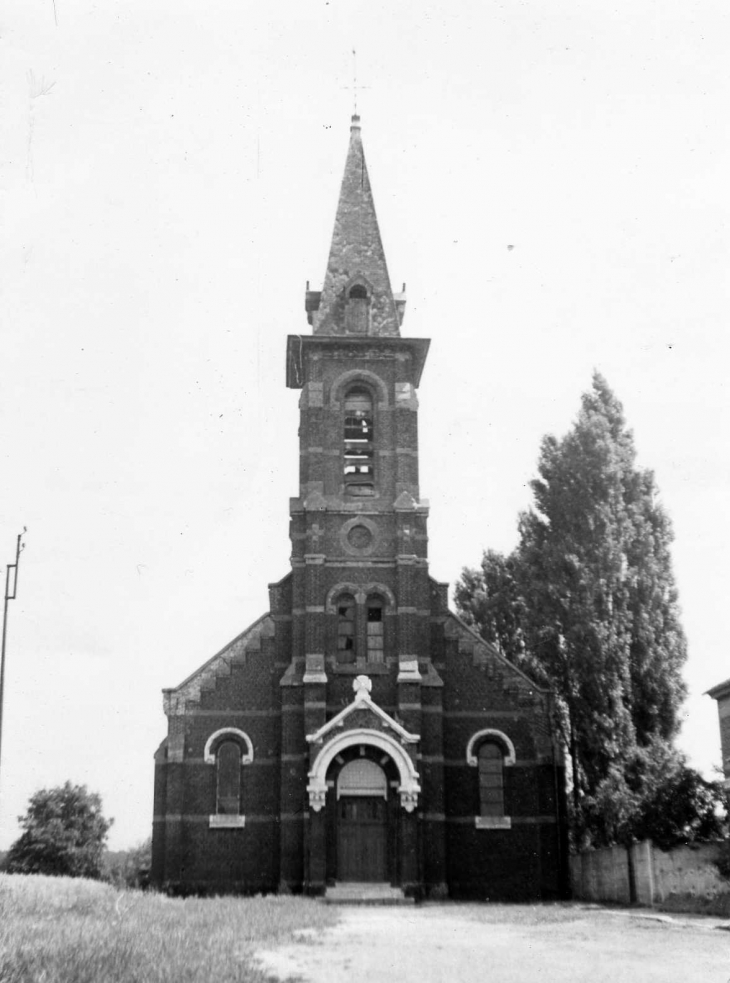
{"points": [[375, 629], [362, 777], [358, 465], [358, 292], [229, 750], [346, 628], [228, 779], [491, 779], [490, 751]]}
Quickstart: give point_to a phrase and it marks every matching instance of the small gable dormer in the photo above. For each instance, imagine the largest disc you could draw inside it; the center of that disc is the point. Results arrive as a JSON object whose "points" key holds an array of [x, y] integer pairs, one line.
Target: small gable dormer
{"points": [[357, 298]]}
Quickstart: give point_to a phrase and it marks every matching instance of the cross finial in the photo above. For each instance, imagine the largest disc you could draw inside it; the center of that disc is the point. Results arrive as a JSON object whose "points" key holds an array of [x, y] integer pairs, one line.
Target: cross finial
{"points": [[362, 686], [355, 87]]}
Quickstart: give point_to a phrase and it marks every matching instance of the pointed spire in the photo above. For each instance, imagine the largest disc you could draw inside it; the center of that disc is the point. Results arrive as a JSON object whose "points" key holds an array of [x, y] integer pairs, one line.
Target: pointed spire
{"points": [[356, 297]]}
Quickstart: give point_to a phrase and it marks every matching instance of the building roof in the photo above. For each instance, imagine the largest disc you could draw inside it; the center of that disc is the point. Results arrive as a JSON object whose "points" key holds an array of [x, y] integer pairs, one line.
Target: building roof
{"points": [[356, 256], [719, 691]]}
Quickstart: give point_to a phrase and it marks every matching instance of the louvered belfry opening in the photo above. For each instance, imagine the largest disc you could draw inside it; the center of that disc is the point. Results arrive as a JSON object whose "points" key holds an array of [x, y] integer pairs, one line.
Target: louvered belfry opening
{"points": [[359, 468]]}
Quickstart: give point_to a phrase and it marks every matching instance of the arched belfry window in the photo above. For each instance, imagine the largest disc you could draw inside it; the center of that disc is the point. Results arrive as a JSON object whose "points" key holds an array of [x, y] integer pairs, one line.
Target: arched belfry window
{"points": [[359, 433], [346, 628]]}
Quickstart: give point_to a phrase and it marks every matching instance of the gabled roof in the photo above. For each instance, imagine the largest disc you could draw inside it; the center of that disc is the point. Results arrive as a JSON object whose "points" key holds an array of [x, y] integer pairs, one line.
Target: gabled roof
{"points": [[356, 254], [719, 691]]}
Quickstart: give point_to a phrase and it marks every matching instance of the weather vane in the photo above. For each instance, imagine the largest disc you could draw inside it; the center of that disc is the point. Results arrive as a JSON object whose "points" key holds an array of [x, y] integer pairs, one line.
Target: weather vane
{"points": [[355, 87]]}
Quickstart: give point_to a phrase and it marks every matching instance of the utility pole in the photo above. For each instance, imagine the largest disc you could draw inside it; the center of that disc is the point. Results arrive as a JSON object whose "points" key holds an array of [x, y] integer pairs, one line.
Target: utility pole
{"points": [[9, 596]]}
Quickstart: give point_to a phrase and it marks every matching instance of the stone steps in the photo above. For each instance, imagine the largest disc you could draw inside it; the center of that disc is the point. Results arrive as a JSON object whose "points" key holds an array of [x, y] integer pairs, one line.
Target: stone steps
{"points": [[366, 893]]}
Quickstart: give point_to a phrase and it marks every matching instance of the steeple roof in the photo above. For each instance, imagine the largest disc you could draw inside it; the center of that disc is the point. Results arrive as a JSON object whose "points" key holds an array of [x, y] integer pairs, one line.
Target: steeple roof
{"points": [[356, 297]]}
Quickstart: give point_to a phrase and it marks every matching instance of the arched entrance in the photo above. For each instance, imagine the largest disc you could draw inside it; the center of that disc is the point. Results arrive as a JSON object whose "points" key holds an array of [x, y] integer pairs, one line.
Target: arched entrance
{"points": [[362, 816], [362, 821], [363, 824]]}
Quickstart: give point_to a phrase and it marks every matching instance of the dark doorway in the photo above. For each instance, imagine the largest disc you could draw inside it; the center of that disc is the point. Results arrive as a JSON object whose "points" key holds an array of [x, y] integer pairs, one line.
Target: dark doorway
{"points": [[362, 839]]}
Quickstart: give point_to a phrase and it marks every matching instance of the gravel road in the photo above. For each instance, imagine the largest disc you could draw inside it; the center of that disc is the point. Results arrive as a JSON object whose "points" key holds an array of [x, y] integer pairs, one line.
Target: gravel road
{"points": [[504, 944]]}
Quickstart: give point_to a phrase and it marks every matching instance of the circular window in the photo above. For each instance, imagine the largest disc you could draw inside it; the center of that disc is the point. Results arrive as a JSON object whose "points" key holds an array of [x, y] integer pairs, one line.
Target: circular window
{"points": [[360, 537]]}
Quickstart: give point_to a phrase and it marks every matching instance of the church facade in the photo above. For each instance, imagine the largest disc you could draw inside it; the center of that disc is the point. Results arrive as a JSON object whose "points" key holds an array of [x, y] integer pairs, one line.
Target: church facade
{"points": [[359, 731]]}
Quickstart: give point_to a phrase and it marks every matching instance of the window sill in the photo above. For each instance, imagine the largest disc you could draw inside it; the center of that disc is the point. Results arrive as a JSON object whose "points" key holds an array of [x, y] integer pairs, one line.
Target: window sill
{"points": [[226, 822], [493, 822]]}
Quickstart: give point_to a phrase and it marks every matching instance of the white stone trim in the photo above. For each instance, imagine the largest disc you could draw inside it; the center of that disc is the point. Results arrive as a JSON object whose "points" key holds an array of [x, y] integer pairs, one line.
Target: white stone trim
{"points": [[408, 788], [493, 822], [496, 735], [408, 671], [222, 734], [226, 822]]}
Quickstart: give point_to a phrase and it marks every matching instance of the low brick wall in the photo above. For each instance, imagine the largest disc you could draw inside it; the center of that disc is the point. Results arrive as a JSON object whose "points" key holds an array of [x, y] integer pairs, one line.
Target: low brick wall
{"points": [[684, 879]]}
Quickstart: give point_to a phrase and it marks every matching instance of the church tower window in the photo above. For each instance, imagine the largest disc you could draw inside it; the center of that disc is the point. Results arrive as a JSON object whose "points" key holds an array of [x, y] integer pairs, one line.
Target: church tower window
{"points": [[346, 629], [375, 629], [359, 470]]}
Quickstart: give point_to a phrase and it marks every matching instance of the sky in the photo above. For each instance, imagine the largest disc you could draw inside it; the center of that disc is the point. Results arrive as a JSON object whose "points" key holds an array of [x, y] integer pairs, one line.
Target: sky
{"points": [[551, 185]]}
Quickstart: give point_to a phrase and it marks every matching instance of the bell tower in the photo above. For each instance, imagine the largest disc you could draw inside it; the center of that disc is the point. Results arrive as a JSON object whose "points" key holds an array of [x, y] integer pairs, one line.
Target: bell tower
{"points": [[360, 585], [358, 525]]}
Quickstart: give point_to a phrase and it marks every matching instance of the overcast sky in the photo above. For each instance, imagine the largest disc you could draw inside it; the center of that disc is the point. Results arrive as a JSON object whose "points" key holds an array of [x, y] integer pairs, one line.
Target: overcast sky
{"points": [[551, 182]]}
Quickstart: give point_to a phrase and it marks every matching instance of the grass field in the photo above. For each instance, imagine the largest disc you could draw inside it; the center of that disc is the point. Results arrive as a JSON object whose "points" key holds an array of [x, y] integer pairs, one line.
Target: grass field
{"points": [[61, 930]]}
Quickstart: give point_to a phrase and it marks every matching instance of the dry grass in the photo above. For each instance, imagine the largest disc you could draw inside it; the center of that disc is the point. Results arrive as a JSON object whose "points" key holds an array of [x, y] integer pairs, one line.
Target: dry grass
{"points": [[59, 930]]}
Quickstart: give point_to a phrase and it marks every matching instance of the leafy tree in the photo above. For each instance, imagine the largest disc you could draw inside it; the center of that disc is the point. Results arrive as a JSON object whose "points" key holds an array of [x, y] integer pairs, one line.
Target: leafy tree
{"points": [[656, 795], [490, 601], [587, 603], [64, 832]]}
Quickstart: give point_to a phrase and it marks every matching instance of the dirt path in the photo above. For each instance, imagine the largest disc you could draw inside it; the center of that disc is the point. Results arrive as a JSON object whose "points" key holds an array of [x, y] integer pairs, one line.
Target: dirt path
{"points": [[501, 944]]}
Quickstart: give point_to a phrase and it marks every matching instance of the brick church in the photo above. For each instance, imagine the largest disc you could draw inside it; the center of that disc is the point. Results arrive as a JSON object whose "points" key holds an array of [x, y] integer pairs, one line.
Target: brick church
{"points": [[358, 731]]}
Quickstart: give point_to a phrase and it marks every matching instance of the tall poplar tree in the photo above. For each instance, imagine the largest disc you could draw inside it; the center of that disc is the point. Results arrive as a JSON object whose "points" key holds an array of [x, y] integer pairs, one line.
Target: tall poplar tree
{"points": [[587, 601]]}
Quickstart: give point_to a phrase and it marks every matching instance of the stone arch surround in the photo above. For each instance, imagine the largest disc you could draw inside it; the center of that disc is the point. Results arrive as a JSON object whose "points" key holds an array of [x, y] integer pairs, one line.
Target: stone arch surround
{"points": [[409, 787], [353, 376]]}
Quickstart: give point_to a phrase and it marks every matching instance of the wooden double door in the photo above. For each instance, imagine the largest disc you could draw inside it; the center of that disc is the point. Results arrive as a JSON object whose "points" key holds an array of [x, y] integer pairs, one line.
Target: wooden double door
{"points": [[362, 838]]}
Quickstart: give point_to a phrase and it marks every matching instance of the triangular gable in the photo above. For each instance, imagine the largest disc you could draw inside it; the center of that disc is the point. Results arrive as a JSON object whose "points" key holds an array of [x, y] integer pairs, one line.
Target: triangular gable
{"points": [[363, 701]]}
